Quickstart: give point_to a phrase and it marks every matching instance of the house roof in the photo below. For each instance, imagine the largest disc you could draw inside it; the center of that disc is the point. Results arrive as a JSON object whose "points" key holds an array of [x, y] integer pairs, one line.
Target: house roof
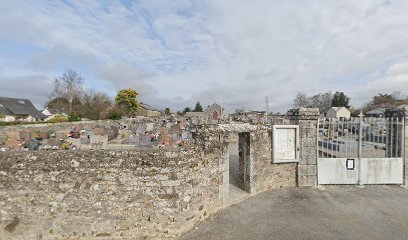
{"points": [[376, 111], [51, 111], [18, 106], [336, 108], [148, 107]]}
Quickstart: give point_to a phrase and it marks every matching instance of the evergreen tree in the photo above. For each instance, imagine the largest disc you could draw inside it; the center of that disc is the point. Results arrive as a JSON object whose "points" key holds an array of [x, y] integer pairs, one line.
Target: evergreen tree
{"points": [[340, 100], [187, 109], [167, 111], [198, 107]]}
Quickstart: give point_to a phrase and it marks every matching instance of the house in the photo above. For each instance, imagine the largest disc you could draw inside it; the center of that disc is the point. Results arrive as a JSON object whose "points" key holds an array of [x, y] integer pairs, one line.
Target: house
{"points": [[16, 109], [51, 113], [148, 111], [339, 113], [376, 113]]}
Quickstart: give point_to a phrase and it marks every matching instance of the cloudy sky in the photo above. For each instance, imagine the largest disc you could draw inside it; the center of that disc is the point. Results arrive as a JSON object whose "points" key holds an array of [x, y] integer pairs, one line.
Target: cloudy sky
{"points": [[234, 52]]}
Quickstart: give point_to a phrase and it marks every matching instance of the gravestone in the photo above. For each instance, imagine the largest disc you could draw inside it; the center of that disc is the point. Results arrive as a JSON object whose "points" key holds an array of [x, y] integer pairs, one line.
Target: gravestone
{"points": [[32, 144], [149, 126], [98, 142], [85, 136], [24, 136]]}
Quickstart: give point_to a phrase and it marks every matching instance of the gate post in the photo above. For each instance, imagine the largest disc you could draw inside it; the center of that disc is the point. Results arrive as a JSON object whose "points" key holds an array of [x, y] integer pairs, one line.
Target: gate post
{"points": [[402, 113], [307, 119], [405, 141]]}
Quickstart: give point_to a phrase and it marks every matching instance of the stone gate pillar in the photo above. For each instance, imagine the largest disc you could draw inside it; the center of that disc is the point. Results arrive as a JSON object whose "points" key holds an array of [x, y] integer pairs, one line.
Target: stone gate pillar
{"points": [[307, 119], [405, 150]]}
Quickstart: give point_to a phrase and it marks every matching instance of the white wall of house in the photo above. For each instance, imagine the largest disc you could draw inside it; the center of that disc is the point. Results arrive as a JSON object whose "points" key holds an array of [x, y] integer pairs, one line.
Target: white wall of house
{"points": [[338, 113], [8, 118], [13, 118]]}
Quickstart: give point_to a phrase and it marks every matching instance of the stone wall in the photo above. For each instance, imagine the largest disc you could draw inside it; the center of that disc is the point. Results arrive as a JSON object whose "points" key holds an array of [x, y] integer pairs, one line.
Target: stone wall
{"points": [[155, 193], [256, 171], [268, 175], [307, 119], [89, 194]]}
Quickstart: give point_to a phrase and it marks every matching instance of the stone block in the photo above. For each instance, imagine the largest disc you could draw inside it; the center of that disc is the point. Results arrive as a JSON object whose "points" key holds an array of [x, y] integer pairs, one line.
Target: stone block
{"points": [[312, 160], [312, 181], [311, 170], [302, 170], [303, 160]]}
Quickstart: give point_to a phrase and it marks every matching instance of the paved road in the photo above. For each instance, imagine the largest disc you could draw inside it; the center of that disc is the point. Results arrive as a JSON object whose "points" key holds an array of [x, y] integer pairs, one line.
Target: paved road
{"points": [[337, 212]]}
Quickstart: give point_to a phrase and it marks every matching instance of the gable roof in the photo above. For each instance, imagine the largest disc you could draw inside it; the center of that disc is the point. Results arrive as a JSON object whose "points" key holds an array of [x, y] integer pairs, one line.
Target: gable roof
{"points": [[376, 111], [18, 106], [336, 108], [52, 111]]}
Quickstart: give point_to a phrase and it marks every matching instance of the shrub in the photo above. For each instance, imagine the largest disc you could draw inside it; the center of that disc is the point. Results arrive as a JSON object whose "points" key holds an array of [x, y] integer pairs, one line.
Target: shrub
{"points": [[114, 114], [73, 117], [58, 119]]}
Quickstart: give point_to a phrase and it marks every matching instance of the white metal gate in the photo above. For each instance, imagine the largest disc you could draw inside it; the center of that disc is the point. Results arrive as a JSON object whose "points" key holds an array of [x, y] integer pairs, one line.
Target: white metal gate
{"points": [[360, 151]]}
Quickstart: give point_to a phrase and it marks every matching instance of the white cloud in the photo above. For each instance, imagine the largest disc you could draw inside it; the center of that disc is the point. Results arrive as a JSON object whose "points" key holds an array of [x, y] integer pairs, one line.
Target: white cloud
{"points": [[235, 52], [37, 88]]}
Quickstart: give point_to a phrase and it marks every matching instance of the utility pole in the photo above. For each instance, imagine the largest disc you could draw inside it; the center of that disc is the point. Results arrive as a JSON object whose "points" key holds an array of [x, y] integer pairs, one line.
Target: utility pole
{"points": [[266, 108]]}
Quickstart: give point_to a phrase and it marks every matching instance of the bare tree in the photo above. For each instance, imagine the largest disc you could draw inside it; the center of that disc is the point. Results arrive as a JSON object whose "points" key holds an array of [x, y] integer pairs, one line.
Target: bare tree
{"points": [[95, 105], [69, 86], [301, 100], [322, 101]]}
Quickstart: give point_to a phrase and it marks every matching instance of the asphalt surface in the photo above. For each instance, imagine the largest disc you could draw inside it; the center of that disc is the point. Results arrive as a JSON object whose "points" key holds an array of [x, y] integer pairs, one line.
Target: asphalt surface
{"points": [[335, 212]]}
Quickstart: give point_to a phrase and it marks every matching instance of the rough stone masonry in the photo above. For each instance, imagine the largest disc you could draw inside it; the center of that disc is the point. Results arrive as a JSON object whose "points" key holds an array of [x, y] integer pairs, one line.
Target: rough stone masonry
{"points": [[156, 193]]}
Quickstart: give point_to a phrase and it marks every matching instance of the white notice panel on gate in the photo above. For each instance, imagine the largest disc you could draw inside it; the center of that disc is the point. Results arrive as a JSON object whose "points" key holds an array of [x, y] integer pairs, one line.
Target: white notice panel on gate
{"points": [[285, 143]]}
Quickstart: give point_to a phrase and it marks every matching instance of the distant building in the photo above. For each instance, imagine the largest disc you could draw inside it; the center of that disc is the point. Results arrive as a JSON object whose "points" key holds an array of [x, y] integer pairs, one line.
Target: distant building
{"points": [[148, 111], [339, 113], [51, 113], [377, 113], [16, 109]]}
